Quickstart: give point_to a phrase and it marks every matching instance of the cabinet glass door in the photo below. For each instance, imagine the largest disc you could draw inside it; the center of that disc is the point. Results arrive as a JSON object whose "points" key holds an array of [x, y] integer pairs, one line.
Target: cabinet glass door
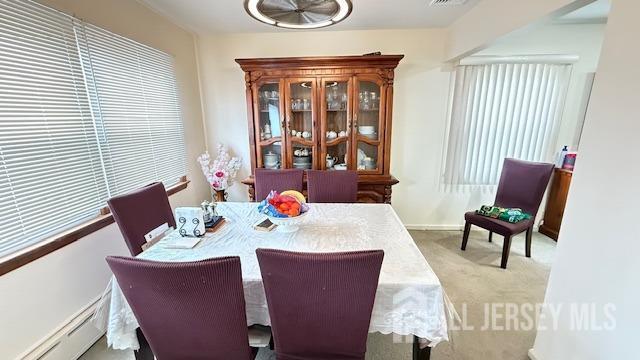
{"points": [[368, 125], [270, 131], [335, 123], [301, 94]]}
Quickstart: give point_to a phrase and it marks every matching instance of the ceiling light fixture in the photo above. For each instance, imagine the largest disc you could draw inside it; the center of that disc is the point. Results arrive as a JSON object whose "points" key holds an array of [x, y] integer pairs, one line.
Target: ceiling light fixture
{"points": [[252, 8], [345, 10], [299, 14]]}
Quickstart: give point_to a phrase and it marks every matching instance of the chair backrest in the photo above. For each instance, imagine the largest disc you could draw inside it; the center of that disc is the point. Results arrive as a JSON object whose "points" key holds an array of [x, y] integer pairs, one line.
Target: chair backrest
{"points": [[320, 304], [335, 186], [278, 180], [139, 212], [522, 184], [187, 310]]}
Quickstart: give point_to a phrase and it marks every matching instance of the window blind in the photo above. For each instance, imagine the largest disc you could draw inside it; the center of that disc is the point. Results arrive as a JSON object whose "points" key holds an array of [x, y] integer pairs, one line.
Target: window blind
{"points": [[134, 94], [50, 170], [84, 115], [501, 110]]}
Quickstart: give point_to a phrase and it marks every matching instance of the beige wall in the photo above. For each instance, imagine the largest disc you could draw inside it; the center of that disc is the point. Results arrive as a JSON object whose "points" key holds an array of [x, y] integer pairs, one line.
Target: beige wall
{"points": [[420, 101], [39, 297], [597, 258], [419, 118]]}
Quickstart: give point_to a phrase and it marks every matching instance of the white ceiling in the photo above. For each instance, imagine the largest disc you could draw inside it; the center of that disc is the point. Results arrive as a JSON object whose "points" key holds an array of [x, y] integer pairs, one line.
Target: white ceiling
{"points": [[218, 16], [597, 11]]}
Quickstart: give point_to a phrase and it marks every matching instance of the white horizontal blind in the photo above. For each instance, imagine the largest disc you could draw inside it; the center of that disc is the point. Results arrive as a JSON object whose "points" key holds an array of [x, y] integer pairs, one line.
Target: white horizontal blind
{"points": [[50, 170], [84, 115], [134, 93], [502, 110]]}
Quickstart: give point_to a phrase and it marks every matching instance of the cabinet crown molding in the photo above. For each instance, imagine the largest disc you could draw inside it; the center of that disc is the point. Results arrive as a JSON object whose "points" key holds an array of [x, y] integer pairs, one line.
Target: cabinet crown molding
{"points": [[317, 62]]}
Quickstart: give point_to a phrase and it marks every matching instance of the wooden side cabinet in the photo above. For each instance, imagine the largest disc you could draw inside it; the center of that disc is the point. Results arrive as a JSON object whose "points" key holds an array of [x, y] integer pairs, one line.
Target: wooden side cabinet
{"points": [[556, 202], [323, 113]]}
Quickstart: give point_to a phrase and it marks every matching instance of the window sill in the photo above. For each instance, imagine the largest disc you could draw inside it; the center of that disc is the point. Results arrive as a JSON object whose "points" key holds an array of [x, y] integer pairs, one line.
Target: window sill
{"points": [[36, 251]]}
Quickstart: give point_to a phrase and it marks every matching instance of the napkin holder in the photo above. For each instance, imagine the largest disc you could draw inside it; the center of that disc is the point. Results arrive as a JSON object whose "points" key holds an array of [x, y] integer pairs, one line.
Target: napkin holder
{"points": [[190, 221]]}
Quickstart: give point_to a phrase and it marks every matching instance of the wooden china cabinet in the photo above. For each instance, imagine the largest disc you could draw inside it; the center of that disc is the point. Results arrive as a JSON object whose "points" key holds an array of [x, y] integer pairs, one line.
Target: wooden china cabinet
{"points": [[326, 113]]}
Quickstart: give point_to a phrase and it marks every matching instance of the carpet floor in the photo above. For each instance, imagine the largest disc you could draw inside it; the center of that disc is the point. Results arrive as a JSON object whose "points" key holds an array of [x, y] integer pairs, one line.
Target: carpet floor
{"points": [[473, 281]]}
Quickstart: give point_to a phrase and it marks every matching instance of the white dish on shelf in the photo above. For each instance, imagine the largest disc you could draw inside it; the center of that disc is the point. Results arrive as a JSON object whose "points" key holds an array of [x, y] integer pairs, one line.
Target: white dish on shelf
{"points": [[366, 129], [371, 136], [340, 166]]}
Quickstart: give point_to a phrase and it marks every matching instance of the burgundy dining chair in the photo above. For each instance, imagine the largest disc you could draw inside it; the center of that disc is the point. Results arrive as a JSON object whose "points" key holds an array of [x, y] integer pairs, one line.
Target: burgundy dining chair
{"points": [[139, 212], [278, 180], [522, 185], [320, 303], [335, 186], [187, 310]]}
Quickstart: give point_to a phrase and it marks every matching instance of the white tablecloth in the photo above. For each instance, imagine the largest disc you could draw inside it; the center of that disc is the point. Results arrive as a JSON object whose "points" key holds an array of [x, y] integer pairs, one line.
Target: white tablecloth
{"points": [[409, 301]]}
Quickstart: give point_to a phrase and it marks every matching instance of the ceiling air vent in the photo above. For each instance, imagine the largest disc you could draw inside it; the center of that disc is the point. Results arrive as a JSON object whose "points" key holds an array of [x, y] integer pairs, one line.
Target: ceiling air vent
{"points": [[447, 2]]}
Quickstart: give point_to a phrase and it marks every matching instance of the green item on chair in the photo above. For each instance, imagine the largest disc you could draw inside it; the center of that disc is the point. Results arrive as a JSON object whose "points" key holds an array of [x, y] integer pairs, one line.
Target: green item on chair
{"points": [[512, 215]]}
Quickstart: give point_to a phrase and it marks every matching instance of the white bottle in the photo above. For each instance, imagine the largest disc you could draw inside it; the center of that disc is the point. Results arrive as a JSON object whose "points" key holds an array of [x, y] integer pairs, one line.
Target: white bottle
{"points": [[561, 156]]}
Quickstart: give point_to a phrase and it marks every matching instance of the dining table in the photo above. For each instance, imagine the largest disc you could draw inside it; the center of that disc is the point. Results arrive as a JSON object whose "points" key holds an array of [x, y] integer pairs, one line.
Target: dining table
{"points": [[410, 301]]}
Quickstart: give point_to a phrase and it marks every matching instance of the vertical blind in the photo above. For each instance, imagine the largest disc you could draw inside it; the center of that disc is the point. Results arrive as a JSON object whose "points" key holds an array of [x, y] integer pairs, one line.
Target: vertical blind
{"points": [[502, 110], [73, 134]]}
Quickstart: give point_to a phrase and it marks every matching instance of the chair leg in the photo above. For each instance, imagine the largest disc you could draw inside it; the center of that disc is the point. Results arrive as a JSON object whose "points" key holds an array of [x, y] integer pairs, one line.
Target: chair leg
{"points": [[506, 248], [465, 236], [528, 242], [490, 236], [420, 354], [144, 353]]}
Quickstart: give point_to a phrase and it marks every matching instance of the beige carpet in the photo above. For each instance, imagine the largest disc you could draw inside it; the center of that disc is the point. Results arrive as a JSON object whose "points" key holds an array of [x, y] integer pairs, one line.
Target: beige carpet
{"points": [[472, 277]]}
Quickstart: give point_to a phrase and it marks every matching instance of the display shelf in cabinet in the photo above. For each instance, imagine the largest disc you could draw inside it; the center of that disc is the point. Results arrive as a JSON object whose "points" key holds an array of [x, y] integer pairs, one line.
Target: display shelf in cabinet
{"points": [[270, 141], [368, 140], [302, 141], [336, 141]]}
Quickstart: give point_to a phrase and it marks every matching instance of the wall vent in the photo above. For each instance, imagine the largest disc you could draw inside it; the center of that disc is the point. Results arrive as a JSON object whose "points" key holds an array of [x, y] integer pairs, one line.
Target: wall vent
{"points": [[447, 2]]}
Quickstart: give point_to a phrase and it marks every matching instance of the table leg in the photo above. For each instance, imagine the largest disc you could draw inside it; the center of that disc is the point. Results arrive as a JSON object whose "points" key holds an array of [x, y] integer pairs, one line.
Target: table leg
{"points": [[420, 354], [144, 353]]}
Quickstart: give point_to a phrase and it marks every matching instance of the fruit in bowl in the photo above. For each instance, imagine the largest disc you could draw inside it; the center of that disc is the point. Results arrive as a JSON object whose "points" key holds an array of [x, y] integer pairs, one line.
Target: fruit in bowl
{"points": [[284, 209], [296, 194], [286, 204]]}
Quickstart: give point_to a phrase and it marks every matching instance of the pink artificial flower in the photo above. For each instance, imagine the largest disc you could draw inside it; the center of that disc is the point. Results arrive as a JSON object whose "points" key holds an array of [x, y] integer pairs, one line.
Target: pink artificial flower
{"points": [[219, 173], [215, 184]]}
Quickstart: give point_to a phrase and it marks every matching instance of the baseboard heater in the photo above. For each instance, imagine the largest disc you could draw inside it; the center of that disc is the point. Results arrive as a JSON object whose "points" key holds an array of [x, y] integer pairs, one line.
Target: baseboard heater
{"points": [[70, 340]]}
